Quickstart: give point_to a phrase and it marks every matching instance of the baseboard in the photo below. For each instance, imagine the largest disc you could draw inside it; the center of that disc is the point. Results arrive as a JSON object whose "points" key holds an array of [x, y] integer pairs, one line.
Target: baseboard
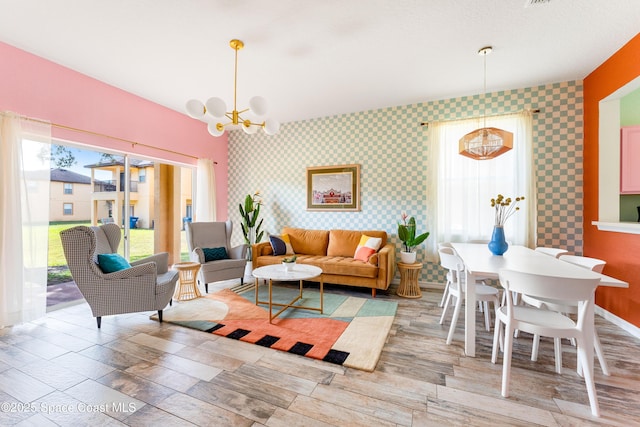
{"points": [[621, 323], [431, 285]]}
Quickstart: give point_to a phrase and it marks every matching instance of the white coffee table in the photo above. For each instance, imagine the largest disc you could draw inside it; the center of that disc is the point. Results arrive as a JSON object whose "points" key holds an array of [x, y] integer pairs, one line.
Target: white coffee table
{"points": [[277, 273]]}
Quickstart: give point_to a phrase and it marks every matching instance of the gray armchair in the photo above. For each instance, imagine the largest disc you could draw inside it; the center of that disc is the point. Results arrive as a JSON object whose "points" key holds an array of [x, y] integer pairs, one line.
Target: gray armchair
{"points": [[207, 235], [147, 285]]}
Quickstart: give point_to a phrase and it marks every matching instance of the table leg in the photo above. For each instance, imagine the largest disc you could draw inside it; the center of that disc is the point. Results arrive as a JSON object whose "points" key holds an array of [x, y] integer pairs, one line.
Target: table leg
{"points": [[321, 295], [270, 299], [256, 289], [470, 315], [586, 348]]}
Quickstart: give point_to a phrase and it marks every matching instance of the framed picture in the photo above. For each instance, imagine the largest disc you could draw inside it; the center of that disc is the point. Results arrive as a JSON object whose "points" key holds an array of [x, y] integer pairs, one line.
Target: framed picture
{"points": [[333, 188]]}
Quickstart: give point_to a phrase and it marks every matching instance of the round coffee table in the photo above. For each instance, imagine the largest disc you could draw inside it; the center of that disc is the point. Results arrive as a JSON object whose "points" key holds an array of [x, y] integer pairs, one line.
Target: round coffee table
{"points": [[187, 287], [277, 273]]}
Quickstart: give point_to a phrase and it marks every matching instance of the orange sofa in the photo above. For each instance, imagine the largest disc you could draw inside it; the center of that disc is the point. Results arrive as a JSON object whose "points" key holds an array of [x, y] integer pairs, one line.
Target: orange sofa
{"points": [[333, 251]]}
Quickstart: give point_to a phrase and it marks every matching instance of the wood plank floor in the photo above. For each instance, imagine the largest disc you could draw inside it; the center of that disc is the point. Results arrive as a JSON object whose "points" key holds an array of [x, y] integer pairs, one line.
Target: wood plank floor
{"points": [[61, 370]]}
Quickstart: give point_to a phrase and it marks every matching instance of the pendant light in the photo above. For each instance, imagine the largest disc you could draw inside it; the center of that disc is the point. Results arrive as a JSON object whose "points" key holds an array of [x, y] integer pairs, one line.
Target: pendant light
{"points": [[487, 142], [215, 109]]}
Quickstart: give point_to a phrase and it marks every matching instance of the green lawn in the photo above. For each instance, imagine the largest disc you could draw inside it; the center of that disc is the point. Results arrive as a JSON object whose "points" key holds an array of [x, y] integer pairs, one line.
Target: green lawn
{"points": [[141, 246]]}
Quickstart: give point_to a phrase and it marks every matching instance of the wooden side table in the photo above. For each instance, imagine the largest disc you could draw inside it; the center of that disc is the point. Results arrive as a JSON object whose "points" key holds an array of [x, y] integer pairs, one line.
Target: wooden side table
{"points": [[409, 273], [187, 287]]}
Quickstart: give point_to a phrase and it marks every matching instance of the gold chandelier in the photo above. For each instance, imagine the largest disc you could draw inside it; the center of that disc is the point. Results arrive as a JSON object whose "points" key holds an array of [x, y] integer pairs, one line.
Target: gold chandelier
{"points": [[215, 108], [485, 143]]}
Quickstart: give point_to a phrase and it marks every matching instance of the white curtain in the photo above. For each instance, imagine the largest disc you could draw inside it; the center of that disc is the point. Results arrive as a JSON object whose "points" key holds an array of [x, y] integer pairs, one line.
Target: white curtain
{"points": [[460, 189], [205, 191], [24, 218]]}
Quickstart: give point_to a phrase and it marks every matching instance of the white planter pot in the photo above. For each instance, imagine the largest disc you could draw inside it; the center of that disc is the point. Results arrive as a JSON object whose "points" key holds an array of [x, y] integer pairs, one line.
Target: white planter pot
{"points": [[408, 257], [248, 269]]}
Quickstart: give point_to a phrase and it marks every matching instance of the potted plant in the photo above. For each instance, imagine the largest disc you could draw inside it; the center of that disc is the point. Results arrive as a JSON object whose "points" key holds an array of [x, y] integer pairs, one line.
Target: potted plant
{"points": [[407, 235], [251, 227], [289, 263]]}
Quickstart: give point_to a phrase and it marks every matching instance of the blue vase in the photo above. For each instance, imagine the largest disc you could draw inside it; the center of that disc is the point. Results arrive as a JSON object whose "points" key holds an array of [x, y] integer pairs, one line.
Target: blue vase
{"points": [[498, 245]]}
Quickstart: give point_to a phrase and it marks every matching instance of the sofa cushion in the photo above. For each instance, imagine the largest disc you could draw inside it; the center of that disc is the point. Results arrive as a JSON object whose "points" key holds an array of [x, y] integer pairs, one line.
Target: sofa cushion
{"points": [[367, 247], [214, 254], [110, 263], [308, 242], [344, 242], [281, 245]]}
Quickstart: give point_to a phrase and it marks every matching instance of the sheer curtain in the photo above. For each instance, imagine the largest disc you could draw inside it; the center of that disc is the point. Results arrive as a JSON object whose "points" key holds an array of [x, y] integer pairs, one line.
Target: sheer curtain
{"points": [[460, 189], [24, 219], [205, 191]]}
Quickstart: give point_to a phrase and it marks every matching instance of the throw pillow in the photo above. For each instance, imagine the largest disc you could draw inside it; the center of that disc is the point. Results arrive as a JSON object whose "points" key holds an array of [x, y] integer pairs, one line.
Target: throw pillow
{"points": [[214, 254], [367, 247], [281, 245], [110, 263]]}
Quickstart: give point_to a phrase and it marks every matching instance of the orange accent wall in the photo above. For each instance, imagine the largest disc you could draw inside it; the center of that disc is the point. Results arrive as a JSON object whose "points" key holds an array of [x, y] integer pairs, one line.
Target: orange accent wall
{"points": [[620, 250]]}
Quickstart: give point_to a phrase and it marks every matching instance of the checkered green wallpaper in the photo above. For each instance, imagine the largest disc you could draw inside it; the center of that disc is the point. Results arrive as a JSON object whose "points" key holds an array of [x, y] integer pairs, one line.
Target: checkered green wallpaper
{"points": [[390, 145]]}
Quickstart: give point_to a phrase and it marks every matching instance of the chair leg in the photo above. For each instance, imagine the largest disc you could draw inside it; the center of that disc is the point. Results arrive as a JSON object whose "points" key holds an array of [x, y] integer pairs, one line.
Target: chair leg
{"points": [[487, 321], [160, 315], [206, 288], [506, 360], [454, 320], [171, 302], [444, 294], [588, 380], [241, 281], [557, 347], [535, 347], [99, 320], [445, 307], [496, 338], [598, 347]]}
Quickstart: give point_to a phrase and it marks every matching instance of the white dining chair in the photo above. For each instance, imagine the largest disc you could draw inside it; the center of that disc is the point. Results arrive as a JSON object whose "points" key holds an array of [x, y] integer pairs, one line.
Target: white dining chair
{"points": [[592, 264], [544, 322], [445, 293], [554, 252], [450, 260]]}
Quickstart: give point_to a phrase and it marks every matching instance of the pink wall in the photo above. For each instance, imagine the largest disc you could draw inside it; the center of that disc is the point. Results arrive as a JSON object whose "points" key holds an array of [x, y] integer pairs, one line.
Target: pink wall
{"points": [[34, 87]]}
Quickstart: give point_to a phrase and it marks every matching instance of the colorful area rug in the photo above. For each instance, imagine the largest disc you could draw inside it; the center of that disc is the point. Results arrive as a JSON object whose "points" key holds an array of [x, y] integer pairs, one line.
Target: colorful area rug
{"points": [[351, 332]]}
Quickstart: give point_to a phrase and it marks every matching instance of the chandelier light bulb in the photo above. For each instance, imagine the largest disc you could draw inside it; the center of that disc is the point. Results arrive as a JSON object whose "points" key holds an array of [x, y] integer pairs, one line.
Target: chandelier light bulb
{"points": [[258, 106], [195, 109], [214, 129], [216, 107], [271, 127], [249, 128]]}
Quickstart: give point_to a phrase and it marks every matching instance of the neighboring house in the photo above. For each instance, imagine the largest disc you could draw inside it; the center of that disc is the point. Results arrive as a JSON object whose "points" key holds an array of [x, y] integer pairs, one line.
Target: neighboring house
{"points": [[70, 195], [107, 197]]}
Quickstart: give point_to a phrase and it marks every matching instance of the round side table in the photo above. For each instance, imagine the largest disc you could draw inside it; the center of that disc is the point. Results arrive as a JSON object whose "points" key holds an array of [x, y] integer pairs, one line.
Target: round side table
{"points": [[187, 287], [409, 273]]}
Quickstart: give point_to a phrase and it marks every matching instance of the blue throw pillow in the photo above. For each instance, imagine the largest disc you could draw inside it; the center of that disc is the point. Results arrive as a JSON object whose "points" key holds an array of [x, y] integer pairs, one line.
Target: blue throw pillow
{"points": [[278, 245], [110, 263], [214, 254]]}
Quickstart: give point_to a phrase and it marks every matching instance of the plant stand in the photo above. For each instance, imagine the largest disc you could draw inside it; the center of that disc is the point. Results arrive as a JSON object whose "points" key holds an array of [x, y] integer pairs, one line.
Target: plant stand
{"points": [[409, 287]]}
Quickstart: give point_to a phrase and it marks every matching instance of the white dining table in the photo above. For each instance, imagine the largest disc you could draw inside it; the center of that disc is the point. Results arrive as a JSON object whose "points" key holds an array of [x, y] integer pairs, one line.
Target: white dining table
{"points": [[480, 262]]}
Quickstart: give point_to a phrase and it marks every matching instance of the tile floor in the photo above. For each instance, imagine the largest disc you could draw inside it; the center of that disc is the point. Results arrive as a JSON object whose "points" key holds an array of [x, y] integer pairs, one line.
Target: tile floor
{"points": [[62, 371]]}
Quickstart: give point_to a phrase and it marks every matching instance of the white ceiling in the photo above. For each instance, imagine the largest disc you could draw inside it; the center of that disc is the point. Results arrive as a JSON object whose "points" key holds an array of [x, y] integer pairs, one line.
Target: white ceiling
{"points": [[316, 58]]}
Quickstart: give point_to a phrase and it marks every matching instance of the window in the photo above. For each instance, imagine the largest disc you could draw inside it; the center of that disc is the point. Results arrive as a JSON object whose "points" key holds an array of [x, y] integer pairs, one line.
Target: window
{"points": [[142, 175], [67, 208], [68, 188], [462, 188]]}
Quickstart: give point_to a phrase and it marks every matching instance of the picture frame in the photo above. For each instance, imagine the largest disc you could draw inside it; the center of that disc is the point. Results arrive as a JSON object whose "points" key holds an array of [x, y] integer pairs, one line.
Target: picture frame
{"points": [[333, 188]]}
